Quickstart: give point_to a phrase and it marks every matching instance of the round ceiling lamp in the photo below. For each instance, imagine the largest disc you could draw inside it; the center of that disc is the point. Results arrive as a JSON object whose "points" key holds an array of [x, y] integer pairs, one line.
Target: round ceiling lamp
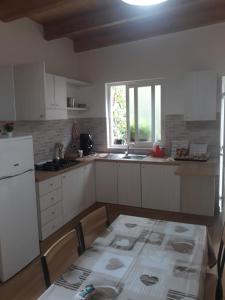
{"points": [[143, 2]]}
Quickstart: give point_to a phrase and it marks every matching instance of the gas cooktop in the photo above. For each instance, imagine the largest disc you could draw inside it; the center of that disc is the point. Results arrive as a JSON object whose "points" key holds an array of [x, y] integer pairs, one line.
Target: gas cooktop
{"points": [[56, 165]]}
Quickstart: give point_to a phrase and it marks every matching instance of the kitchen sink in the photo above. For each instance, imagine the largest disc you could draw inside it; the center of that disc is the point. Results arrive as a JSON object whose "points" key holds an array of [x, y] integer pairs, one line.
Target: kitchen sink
{"points": [[119, 156], [114, 156], [134, 157]]}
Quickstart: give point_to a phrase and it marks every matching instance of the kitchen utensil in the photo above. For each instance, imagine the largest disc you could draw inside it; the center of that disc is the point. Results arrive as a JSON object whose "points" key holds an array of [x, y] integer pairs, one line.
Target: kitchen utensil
{"points": [[80, 152], [70, 102]]}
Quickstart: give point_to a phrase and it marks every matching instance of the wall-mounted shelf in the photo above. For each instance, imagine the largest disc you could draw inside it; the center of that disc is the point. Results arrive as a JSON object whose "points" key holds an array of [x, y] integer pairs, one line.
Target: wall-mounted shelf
{"points": [[76, 108]]}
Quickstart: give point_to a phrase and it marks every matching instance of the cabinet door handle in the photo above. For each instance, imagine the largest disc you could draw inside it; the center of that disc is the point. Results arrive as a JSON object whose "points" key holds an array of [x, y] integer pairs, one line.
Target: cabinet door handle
{"points": [[53, 212]]}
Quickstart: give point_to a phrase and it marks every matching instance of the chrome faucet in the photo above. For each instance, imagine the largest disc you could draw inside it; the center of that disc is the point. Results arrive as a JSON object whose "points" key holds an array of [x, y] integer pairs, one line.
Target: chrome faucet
{"points": [[127, 151]]}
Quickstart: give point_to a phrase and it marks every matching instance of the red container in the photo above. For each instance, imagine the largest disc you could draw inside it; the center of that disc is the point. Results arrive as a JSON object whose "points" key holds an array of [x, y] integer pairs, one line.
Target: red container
{"points": [[158, 151]]}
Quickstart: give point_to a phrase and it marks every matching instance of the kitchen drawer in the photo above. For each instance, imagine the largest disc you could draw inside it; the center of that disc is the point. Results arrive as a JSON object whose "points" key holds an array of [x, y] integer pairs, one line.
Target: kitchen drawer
{"points": [[51, 227], [51, 213], [50, 199], [49, 185]]}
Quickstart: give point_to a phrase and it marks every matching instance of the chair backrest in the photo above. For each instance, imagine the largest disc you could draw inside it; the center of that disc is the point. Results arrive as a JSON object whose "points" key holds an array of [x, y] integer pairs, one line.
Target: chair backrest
{"points": [[59, 257], [91, 226], [220, 267]]}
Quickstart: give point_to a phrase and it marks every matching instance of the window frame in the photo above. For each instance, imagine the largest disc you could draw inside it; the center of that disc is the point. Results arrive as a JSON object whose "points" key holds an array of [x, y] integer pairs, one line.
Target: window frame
{"points": [[133, 84]]}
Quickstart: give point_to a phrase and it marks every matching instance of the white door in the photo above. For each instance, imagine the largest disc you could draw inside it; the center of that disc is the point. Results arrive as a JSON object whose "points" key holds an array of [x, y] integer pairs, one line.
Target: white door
{"points": [[89, 184], [72, 194], [106, 182], [160, 187], [18, 224], [222, 152], [129, 184]]}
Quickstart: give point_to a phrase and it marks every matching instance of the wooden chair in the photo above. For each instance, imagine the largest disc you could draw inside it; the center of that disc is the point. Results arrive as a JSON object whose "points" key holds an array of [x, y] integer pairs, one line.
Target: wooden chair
{"points": [[59, 257], [213, 283], [91, 226]]}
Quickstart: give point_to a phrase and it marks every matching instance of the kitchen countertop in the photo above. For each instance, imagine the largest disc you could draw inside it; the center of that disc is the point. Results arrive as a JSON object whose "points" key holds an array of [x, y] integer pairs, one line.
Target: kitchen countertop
{"points": [[44, 175], [185, 168]]}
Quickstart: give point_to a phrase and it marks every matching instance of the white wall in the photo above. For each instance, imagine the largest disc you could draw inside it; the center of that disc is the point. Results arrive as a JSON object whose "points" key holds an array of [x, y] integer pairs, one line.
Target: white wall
{"points": [[22, 41], [167, 56]]}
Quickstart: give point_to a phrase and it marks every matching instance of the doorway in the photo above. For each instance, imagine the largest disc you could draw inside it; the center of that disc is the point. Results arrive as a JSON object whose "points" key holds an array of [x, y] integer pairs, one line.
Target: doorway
{"points": [[222, 150]]}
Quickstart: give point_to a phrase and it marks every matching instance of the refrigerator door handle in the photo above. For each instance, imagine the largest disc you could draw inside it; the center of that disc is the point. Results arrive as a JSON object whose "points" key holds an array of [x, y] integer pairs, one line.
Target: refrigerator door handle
{"points": [[15, 175]]}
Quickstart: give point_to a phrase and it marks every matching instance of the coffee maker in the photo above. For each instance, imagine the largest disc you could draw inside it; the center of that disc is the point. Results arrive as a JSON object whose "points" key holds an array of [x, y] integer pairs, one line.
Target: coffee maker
{"points": [[86, 143]]}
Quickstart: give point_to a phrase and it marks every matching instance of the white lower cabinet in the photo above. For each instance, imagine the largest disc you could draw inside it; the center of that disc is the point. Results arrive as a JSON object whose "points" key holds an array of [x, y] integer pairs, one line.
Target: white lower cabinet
{"points": [[49, 195], [160, 187], [140, 185], [63, 197], [89, 184], [129, 184], [72, 193], [78, 191], [198, 195], [106, 182], [51, 227]]}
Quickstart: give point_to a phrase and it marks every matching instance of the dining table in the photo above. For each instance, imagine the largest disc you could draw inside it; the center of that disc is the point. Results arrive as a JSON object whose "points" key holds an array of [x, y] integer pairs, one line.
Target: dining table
{"points": [[139, 258]]}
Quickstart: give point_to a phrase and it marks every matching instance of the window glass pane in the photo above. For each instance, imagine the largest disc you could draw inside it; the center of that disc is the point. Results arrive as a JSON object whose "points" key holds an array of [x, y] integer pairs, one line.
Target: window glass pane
{"points": [[144, 113], [132, 116], [158, 113], [118, 114]]}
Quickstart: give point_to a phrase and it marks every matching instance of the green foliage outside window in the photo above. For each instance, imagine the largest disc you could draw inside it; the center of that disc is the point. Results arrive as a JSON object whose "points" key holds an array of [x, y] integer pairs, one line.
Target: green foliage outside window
{"points": [[118, 94]]}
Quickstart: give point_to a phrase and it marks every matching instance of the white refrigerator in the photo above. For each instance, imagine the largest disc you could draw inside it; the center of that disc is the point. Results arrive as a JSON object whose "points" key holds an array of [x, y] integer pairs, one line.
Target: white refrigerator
{"points": [[19, 239]]}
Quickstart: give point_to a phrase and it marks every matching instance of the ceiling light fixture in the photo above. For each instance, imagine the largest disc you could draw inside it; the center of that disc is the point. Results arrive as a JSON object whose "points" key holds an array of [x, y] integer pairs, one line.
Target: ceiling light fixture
{"points": [[143, 2]]}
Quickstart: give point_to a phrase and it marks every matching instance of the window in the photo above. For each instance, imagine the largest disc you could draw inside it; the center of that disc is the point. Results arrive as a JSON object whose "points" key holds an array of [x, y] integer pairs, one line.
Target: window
{"points": [[134, 113]]}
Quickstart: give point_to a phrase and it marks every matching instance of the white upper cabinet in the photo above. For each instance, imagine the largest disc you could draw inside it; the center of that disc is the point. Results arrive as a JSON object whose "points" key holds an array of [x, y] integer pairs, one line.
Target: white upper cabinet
{"points": [[60, 92], [50, 91], [30, 91], [39, 96], [7, 99], [27, 92], [55, 92], [200, 96]]}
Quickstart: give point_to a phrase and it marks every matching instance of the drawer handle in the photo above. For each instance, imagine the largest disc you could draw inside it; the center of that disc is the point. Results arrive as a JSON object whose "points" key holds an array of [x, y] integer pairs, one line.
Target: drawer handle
{"points": [[52, 198], [53, 212], [51, 184]]}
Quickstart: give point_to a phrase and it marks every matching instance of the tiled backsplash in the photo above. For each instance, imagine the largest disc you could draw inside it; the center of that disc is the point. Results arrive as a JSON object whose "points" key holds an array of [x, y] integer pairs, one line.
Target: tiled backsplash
{"points": [[47, 133], [97, 128], [208, 132]]}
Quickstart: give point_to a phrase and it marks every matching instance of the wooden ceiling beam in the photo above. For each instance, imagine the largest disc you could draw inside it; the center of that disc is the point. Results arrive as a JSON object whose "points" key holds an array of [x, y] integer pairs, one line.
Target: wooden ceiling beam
{"points": [[11, 9], [117, 14], [150, 27]]}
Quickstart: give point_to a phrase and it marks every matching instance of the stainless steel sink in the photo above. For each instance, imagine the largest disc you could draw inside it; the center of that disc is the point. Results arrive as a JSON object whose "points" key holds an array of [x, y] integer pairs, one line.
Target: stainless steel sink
{"points": [[118, 156], [114, 156], [134, 157]]}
